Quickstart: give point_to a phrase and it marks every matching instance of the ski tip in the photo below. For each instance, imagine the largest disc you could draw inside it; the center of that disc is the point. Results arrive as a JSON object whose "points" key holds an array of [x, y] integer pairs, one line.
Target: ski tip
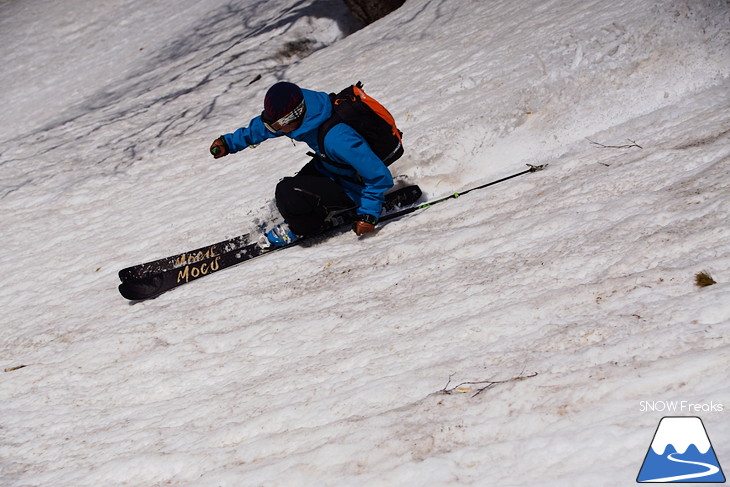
{"points": [[141, 289]]}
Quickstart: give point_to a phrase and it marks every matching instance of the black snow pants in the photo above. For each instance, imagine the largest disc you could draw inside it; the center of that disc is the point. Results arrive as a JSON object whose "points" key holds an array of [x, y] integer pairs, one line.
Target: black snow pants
{"points": [[308, 198]]}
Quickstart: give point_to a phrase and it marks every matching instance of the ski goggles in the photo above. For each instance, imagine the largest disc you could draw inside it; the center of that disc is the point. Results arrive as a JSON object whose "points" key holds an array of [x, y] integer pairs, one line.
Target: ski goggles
{"points": [[277, 125]]}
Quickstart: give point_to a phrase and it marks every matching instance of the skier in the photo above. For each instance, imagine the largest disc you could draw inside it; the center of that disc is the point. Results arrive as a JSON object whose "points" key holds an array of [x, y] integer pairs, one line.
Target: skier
{"points": [[349, 176]]}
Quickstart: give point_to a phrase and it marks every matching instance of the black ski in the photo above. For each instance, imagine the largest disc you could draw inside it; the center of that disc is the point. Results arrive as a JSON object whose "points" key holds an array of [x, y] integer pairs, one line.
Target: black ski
{"points": [[186, 258], [153, 285], [151, 279], [396, 199]]}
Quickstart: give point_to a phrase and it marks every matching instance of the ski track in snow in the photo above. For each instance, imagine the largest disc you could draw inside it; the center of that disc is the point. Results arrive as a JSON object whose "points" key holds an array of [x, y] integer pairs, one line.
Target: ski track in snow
{"points": [[323, 365]]}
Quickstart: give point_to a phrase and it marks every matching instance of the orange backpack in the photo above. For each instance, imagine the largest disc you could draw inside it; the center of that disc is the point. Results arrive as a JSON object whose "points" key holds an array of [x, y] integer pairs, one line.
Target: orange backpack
{"points": [[369, 118]]}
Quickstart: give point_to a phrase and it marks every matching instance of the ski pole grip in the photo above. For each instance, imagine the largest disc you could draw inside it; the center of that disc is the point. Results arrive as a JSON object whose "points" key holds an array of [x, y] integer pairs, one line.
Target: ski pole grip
{"points": [[215, 150]]}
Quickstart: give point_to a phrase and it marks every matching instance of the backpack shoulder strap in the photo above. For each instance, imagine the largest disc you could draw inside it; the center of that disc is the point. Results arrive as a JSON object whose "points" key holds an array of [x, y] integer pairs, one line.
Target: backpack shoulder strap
{"points": [[327, 125]]}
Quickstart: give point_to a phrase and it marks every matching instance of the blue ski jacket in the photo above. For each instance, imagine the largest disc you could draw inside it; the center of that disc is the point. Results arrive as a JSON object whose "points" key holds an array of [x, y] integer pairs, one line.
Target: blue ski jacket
{"points": [[352, 164]]}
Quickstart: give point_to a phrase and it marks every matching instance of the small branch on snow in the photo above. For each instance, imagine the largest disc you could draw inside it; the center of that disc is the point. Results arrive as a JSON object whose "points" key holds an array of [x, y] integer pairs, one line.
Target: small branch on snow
{"points": [[625, 146], [13, 369], [484, 385]]}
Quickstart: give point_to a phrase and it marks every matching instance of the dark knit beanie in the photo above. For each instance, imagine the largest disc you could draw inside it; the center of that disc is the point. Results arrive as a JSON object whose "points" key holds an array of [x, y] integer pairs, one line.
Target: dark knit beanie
{"points": [[281, 99]]}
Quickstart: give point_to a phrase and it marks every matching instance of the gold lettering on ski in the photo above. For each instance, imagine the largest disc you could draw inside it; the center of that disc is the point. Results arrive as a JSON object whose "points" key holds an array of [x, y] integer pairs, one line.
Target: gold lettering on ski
{"points": [[192, 258], [195, 271]]}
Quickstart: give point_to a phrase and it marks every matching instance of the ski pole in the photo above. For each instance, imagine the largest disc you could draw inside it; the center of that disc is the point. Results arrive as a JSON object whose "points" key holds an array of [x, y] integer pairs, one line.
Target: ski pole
{"points": [[406, 211]]}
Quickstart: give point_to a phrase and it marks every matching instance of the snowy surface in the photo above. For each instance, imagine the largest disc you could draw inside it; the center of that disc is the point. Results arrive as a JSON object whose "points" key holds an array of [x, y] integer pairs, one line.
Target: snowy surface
{"points": [[326, 365]]}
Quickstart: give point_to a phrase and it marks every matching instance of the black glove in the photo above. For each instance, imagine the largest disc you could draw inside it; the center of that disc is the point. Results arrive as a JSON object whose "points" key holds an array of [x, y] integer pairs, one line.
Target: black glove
{"points": [[364, 224], [219, 148]]}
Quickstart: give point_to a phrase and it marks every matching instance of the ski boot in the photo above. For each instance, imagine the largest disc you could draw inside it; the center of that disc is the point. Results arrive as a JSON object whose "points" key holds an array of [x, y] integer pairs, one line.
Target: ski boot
{"points": [[281, 235]]}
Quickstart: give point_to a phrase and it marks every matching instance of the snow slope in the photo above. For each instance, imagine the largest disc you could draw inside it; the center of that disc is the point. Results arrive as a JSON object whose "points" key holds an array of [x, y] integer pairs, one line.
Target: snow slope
{"points": [[327, 365]]}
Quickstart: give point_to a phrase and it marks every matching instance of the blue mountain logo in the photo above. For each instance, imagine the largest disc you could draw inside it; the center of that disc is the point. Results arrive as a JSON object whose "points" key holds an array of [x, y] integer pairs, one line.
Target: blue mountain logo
{"points": [[681, 452]]}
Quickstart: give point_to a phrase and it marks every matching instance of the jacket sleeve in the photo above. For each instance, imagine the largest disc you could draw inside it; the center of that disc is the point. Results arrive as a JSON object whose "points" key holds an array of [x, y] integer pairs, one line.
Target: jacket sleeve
{"points": [[254, 134], [345, 145]]}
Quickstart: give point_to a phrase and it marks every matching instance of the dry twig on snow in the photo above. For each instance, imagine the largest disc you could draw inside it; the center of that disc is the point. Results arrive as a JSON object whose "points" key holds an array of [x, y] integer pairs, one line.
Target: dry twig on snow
{"points": [[625, 146], [463, 387]]}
